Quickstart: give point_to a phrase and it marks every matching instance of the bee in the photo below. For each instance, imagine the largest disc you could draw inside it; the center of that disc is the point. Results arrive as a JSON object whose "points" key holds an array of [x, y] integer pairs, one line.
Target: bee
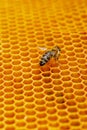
{"points": [[55, 52]]}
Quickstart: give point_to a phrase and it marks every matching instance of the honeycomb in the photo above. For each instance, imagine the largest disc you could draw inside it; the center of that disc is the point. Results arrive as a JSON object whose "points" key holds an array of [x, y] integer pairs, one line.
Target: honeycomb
{"points": [[49, 97]]}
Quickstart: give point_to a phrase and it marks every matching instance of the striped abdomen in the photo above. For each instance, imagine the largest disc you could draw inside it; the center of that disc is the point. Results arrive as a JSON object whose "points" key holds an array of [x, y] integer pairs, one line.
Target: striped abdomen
{"points": [[45, 58]]}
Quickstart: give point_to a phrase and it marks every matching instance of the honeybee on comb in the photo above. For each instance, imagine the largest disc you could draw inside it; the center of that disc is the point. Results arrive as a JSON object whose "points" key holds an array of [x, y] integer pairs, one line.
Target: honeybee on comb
{"points": [[55, 52]]}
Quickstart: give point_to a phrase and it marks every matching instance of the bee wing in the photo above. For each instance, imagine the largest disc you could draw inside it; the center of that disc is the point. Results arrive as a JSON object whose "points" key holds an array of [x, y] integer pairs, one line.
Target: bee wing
{"points": [[42, 48]]}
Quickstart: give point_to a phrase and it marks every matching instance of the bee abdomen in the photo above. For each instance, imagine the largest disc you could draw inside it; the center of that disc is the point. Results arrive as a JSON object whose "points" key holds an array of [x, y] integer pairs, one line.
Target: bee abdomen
{"points": [[46, 57]]}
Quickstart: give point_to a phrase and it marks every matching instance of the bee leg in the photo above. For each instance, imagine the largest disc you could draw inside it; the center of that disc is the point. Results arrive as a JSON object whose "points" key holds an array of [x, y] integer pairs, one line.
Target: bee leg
{"points": [[56, 57]]}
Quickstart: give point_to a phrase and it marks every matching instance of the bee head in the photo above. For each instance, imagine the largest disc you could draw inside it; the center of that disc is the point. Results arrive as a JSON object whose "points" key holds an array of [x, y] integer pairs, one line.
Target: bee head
{"points": [[57, 48]]}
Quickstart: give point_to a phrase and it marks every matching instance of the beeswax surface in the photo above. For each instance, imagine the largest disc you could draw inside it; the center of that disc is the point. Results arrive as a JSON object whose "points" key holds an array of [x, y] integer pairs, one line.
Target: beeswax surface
{"points": [[49, 97]]}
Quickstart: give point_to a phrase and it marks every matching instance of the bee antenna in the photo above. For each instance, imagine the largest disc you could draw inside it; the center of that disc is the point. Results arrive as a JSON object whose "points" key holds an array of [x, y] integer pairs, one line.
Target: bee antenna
{"points": [[58, 48]]}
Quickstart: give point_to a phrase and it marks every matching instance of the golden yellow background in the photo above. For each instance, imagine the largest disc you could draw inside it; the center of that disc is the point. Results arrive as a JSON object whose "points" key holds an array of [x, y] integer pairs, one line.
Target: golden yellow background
{"points": [[52, 97]]}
